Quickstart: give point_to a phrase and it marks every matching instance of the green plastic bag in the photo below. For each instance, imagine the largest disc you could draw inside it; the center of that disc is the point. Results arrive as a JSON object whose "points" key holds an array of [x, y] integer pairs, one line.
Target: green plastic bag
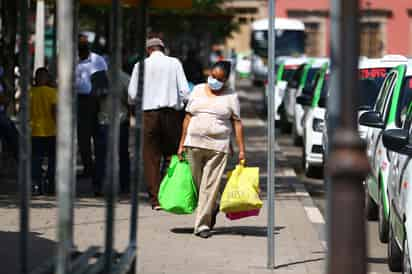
{"points": [[178, 192]]}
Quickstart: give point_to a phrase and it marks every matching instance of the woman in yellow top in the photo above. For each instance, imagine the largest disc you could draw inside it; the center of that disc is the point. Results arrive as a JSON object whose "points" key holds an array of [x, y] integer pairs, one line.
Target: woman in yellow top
{"points": [[212, 111], [43, 130]]}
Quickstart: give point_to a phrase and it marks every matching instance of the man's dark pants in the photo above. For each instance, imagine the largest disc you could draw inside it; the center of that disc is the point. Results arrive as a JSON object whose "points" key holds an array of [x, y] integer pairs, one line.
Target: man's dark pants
{"points": [[86, 129], [9, 134], [44, 147], [161, 135], [124, 157]]}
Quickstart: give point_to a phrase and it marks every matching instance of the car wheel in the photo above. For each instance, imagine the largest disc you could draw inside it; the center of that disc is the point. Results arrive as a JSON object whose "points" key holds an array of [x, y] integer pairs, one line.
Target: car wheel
{"points": [[406, 262], [383, 224], [394, 253], [307, 168], [371, 208], [285, 126]]}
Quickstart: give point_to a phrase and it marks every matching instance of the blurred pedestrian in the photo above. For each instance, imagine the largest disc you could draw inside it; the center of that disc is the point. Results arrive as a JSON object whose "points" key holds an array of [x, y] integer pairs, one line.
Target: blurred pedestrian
{"points": [[165, 90], [91, 82], [102, 139], [8, 131], [211, 113], [193, 68], [43, 100]]}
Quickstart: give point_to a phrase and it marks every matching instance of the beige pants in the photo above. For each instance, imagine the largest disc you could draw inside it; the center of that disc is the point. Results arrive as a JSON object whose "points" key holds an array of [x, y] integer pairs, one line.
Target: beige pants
{"points": [[207, 169]]}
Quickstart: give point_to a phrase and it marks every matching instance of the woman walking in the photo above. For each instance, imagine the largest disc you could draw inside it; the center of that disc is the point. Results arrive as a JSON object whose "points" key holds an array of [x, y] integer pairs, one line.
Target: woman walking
{"points": [[211, 113]]}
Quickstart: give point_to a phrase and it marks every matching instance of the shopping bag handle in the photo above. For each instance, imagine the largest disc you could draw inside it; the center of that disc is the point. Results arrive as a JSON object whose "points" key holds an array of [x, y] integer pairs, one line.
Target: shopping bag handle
{"points": [[242, 162]]}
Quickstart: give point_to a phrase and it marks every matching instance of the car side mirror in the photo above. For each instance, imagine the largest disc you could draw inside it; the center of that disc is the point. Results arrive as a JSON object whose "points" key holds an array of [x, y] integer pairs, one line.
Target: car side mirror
{"points": [[371, 119], [397, 140], [364, 108], [304, 100], [322, 102]]}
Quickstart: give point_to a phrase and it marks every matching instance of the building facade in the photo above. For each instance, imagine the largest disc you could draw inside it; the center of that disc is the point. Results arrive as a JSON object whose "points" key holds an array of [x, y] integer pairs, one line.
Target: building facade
{"points": [[245, 12], [386, 26]]}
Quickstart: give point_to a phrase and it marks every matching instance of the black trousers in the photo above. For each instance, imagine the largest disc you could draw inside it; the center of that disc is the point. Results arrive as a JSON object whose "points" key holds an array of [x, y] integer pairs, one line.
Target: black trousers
{"points": [[9, 135], [44, 147], [87, 130], [161, 135]]}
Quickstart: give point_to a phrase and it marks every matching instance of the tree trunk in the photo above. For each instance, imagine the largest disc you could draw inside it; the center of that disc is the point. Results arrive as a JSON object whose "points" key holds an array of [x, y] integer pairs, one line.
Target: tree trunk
{"points": [[8, 44]]}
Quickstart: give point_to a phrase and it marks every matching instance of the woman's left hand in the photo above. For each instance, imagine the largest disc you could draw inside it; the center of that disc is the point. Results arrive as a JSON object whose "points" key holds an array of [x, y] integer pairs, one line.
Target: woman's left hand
{"points": [[242, 156]]}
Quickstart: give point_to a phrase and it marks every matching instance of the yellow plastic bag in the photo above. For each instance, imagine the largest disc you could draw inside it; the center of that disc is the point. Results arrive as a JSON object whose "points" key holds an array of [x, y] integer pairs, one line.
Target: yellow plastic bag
{"points": [[242, 190]]}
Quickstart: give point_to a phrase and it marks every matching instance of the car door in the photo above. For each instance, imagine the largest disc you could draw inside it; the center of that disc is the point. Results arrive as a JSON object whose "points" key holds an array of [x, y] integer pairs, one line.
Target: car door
{"points": [[381, 106]]}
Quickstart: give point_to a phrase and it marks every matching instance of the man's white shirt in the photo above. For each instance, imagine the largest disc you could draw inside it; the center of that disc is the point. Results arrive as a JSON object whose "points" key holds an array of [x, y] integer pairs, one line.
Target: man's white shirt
{"points": [[165, 83], [84, 70]]}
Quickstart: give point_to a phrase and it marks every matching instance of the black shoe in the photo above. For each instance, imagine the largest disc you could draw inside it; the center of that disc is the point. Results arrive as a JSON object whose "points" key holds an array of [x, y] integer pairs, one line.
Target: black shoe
{"points": [[204, 234], [157, 207], [213, 219], [36, 190]]}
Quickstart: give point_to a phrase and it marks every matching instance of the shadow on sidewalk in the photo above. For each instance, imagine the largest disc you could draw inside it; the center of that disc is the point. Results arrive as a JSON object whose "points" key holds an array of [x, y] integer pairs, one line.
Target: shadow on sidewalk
{"points": [[373, 260], [299, 262], [40, 250], [253, 231]]}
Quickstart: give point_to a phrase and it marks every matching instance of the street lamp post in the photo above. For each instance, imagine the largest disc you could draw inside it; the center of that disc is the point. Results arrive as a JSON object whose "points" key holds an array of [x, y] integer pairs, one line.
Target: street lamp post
{"points": [[271, 137], [347, 165]]}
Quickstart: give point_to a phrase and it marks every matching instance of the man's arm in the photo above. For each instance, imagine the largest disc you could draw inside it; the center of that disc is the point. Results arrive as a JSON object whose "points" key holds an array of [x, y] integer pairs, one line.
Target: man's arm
{"points": [[182, 84], [132, 90]]}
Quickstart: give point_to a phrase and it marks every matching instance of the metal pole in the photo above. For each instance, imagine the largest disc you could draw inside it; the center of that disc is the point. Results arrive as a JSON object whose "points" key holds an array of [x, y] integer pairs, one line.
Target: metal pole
{"points": [[137, 173], [112, 159], [74, 123], [64, 133], [40, 24], [333, 101], [24, 176], [54, 55], [347, 165], [271, 138]]}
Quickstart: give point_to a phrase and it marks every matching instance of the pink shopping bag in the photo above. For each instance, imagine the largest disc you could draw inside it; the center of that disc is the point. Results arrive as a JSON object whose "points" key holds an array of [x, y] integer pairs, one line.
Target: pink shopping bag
{"points": [[243, 214]]}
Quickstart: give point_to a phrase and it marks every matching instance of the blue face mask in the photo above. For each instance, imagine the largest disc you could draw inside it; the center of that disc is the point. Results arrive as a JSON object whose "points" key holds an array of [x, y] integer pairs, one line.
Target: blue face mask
{"points": [[214, 84]]}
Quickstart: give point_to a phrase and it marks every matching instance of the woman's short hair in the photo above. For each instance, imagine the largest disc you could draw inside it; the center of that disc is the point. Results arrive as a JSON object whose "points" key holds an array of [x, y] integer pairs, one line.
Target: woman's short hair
{"points": [[226, 66]]}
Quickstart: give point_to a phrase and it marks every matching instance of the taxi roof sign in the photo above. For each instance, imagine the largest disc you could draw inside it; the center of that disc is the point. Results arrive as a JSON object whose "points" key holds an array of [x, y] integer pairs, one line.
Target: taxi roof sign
{"points": [[160, 4]]}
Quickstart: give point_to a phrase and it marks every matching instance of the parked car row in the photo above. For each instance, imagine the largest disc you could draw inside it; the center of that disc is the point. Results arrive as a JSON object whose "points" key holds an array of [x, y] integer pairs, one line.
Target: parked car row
{"points": [[384, 110], [388, 195]]}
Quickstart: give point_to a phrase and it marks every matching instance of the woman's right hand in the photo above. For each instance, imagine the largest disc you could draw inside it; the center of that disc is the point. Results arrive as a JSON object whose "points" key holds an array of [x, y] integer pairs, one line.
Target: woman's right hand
{"points": [[180, 152]]}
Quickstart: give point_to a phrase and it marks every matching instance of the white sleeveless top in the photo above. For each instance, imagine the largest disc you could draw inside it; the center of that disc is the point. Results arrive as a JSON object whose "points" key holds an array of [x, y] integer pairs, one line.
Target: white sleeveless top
{"points": [[211, 124]]}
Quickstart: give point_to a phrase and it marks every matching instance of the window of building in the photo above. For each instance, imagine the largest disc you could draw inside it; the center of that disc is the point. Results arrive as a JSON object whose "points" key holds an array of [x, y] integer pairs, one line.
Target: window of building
{"points": [[315, 29], [312, 39], [371, 39]]}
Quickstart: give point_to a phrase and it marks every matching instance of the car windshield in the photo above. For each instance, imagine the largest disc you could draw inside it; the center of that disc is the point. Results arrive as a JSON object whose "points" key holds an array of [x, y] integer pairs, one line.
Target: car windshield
{"points": [[288, 74], [324, 92], [405, 99], [310, 77], [288, 42], [370, 82]]}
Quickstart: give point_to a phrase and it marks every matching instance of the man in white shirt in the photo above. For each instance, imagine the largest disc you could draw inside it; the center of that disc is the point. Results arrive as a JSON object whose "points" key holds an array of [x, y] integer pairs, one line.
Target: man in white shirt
{"points": [[90, 66], [165, 91]]}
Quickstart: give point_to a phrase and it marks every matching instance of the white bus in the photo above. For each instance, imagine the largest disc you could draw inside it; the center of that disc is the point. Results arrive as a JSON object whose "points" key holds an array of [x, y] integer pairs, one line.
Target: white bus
{"points": [[290, 41]]}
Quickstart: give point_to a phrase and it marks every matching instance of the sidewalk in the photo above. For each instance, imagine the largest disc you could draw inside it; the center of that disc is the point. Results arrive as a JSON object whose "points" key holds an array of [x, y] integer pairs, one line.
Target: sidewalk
{"points": [[168, 246]]}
